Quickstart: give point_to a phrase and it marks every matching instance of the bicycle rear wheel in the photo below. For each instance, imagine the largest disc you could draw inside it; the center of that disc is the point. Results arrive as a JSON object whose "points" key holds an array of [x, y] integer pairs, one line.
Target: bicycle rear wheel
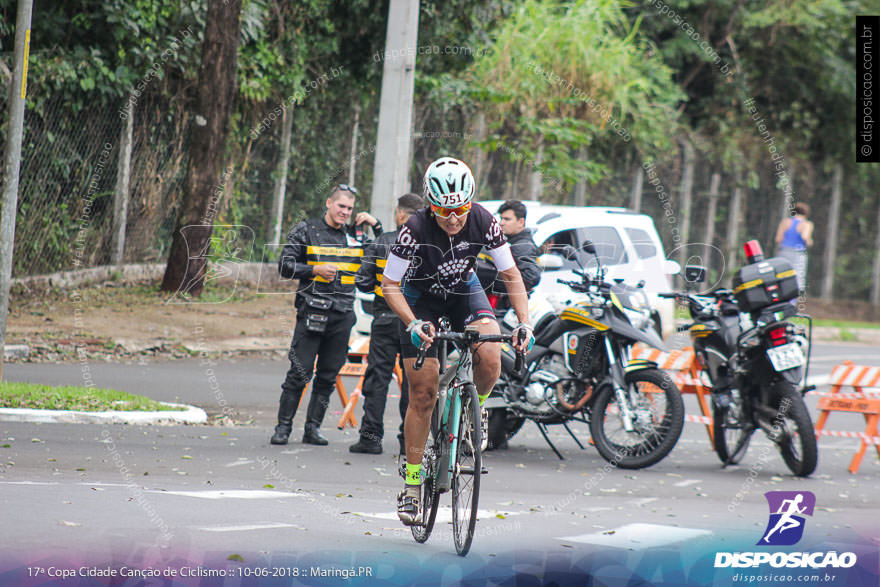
{"points": [[467, 469]]}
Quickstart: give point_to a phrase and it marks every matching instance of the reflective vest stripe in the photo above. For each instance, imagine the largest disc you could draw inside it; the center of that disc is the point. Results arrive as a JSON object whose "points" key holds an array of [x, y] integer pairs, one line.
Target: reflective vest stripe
{"points": [[341, 266], [334, 251], [343, 279]]}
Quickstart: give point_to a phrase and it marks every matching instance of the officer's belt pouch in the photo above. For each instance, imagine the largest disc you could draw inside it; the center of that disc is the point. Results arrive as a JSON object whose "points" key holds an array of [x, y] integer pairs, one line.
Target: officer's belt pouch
{"points": [[316, 314], [319, 304], [316, 322]]}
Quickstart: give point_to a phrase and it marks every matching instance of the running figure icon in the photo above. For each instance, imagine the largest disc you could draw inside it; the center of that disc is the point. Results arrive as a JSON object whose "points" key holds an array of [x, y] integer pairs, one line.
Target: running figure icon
{"points": [[787, 511], [786, 520]]}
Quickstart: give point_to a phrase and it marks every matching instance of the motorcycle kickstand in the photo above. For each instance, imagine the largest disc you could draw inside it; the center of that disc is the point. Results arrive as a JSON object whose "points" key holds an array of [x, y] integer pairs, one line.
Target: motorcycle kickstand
{"points": [[543, 430], [570, 433]]}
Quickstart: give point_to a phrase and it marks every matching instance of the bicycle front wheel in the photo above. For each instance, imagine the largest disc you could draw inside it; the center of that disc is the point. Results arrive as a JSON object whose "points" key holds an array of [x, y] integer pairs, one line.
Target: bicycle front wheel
{"points": [[466, 471]]}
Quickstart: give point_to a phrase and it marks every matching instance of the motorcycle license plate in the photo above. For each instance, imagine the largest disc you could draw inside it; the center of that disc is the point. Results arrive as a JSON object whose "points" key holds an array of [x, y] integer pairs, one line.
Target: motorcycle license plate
{"points": [[787, 356]]}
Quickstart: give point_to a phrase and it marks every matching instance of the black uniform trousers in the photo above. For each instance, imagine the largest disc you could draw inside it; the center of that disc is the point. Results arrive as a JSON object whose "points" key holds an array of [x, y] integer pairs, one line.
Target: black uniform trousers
{"points": [[384, 348], [331, 349]]}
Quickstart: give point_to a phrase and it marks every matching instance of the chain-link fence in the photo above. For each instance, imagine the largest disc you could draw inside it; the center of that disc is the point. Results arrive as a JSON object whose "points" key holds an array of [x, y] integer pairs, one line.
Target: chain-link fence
{"points": [[68, 177]]}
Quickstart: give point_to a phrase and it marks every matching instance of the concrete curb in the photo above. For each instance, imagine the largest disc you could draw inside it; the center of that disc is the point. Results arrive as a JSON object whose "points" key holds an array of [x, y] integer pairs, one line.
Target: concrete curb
{"points": [[187, 415]]}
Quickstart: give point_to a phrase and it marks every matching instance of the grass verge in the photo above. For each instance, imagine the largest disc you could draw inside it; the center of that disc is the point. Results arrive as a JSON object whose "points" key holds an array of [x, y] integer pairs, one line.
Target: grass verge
{"points": [[86, 399]]}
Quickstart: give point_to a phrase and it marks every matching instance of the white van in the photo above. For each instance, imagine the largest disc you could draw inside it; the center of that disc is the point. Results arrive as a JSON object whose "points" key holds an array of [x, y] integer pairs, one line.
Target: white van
{"points": [[626, 242]]}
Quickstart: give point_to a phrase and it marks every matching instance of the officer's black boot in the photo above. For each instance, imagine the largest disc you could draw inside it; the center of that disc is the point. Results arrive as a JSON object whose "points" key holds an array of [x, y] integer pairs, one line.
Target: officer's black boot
{"points": [[314, 417], [369, 443], [286, 411]]}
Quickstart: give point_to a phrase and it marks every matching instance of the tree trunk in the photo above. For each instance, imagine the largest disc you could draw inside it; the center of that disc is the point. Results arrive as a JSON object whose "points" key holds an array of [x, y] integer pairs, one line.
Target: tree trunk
{"points": [[733, 226], [123, 182], [636, 194], [875, 274], [714, 184], [281, 175], [514, 186], [536, 180], [478, 155], [686, 191], [352, 167], [580, 188], [187, 258], [831, 238]]}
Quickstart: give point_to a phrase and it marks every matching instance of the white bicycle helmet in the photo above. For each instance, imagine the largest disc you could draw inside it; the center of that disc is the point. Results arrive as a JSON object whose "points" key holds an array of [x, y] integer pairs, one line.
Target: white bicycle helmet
{"points": [[449, 183]]}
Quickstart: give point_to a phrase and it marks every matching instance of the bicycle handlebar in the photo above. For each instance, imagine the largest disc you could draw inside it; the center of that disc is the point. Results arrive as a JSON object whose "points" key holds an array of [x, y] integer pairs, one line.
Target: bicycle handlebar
{"points": [[468, 337]]}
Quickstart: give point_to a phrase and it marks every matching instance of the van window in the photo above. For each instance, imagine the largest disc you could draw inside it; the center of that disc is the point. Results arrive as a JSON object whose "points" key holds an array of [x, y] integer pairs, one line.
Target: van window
{"points": [[608, 244], [555, 244], [642, 242]]}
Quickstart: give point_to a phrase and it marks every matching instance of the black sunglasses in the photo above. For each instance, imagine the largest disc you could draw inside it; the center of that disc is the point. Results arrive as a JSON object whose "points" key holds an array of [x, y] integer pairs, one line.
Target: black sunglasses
{"points": [[347, 188]]}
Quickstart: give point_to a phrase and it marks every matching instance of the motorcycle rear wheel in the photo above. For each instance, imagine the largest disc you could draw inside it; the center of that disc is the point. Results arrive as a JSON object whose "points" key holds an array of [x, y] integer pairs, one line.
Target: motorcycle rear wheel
{"points": [[798, 444], [660, 418], [503, 425]]}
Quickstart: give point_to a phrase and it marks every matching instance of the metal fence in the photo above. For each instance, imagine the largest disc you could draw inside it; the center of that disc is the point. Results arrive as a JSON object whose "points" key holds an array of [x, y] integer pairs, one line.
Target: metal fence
{"points": [[69, 167]]}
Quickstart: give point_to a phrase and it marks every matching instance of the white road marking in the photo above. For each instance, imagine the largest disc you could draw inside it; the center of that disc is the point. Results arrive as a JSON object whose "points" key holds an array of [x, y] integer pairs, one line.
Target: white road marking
{"points": [[239, 463], [644, 501], [444, 515], [232, 494], [245, 527], [639, 536], [687, 482], [27, 483], [105, 484]]}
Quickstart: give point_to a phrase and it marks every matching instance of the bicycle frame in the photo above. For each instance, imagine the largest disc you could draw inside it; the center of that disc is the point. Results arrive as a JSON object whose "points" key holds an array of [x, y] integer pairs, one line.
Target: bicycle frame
{"points": [[450, 407]]}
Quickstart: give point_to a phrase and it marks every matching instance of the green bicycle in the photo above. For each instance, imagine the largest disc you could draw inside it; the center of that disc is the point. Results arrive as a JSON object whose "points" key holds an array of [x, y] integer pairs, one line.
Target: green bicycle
{"points": [[453, 458]]}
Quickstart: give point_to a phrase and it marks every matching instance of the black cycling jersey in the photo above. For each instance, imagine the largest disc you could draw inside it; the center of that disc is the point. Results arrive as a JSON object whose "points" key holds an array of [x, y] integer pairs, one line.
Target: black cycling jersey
{"points": [[439, 264]]}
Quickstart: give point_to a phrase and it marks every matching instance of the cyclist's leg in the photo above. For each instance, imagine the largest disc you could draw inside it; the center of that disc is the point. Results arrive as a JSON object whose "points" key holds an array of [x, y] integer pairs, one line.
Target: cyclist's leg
{"points": [[487, 356], [487, 359], [422, 396]]}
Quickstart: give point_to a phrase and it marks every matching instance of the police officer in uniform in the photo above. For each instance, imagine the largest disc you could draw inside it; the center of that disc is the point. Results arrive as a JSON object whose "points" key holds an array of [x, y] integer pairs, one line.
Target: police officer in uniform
{"points": [[324, 254], [384, 335]]}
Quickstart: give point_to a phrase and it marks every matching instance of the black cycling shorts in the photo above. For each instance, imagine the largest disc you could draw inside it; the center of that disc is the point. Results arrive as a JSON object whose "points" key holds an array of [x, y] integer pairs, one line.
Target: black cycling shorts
{"points": [[461, 309]]}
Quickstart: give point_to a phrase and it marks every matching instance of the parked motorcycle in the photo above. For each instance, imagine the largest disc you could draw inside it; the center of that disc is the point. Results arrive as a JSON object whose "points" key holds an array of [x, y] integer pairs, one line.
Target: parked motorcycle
{"points": [[580, 370], [755, 359]]}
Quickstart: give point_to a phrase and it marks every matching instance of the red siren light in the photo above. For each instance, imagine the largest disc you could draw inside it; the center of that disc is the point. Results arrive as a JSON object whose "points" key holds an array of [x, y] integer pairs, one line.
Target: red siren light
{"points": [[753, 251]]}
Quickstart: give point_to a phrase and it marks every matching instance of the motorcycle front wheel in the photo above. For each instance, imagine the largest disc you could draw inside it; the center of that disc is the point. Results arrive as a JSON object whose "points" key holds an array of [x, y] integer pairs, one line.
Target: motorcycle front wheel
{"points": [[658, 418], [793, 430], [731, 432]]}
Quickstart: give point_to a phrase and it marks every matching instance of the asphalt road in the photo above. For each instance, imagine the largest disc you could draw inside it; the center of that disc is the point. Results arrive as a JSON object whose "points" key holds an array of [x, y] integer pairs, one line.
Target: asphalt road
{"points": [[176, 498]]}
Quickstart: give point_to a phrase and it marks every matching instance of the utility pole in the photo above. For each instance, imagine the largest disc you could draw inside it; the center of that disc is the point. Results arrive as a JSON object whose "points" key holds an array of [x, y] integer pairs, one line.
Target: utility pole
{"points": [[12, 161], [123, 183], [394, 140]]}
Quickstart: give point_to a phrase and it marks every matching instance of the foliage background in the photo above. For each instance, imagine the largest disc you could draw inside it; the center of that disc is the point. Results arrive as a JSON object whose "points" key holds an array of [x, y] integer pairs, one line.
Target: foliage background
{"points": [[480, 63]]}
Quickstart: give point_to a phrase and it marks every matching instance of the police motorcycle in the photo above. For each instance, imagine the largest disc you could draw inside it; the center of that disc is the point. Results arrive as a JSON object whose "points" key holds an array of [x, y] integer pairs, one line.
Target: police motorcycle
{"points": [[755, 359], [580, 370]]}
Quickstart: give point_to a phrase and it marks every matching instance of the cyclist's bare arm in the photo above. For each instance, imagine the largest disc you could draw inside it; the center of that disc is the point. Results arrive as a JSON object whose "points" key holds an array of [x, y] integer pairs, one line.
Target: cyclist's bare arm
{"points": [[397, 302], [519, 299]]}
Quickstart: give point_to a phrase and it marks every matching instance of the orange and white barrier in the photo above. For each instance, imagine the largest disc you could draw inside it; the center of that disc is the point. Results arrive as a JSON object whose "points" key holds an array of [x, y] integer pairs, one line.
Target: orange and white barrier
{"points": [[864, 401], [687, 375]]}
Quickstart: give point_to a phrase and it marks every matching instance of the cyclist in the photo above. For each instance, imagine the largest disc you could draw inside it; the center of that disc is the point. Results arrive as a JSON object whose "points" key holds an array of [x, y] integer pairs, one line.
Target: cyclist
{"points": [[433, 257]]}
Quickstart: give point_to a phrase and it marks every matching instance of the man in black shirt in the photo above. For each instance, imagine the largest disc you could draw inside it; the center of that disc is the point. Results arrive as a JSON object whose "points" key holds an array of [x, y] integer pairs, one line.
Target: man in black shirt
{"points": [[323, 253], [384, 335], [523, 248]]}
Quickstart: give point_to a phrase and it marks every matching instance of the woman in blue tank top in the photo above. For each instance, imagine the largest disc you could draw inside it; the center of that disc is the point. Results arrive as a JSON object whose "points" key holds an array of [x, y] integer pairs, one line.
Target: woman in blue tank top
{"points": [[793, 236]]}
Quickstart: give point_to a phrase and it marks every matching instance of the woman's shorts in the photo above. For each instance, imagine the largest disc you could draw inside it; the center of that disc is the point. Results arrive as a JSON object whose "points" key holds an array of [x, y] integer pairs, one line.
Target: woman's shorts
{"points": [[461, 309]]}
